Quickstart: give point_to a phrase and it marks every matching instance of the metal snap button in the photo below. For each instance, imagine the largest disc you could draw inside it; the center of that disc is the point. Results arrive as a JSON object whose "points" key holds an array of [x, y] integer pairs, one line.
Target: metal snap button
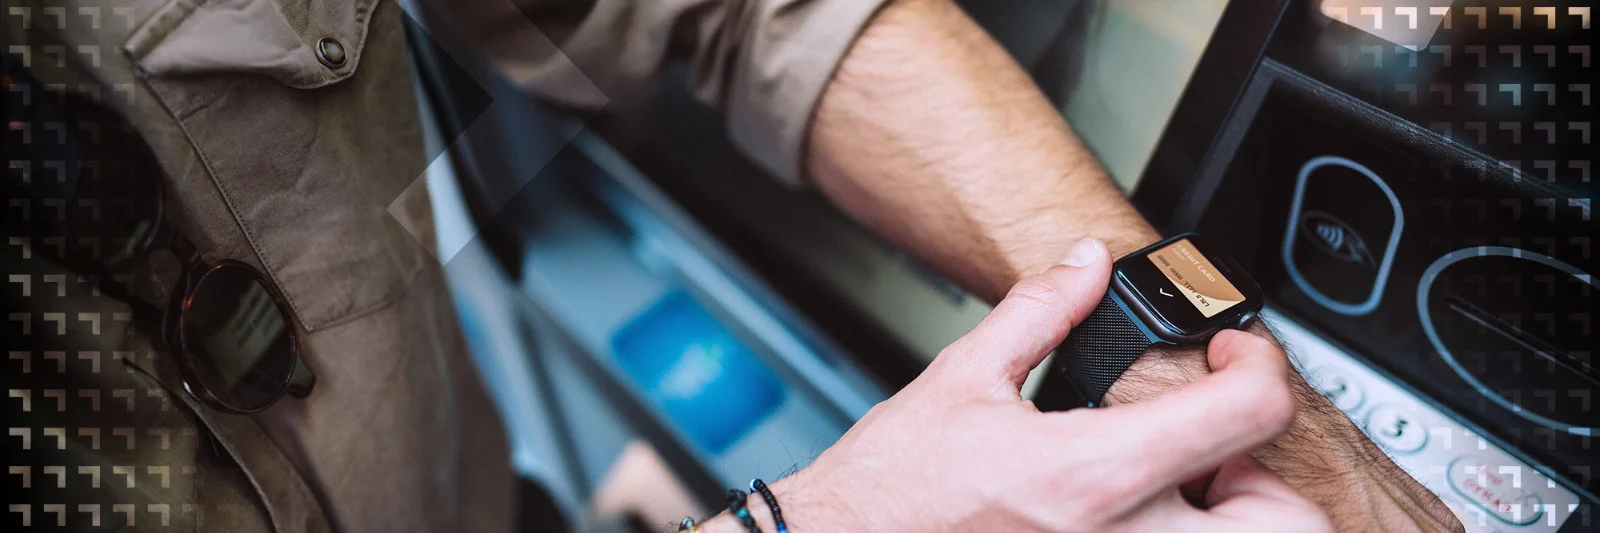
{"points": [[330, 52]]}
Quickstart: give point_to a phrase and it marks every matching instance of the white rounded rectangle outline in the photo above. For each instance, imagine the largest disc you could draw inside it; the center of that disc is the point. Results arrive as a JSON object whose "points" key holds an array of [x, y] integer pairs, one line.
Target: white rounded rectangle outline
{"points": [[1293, 231]]}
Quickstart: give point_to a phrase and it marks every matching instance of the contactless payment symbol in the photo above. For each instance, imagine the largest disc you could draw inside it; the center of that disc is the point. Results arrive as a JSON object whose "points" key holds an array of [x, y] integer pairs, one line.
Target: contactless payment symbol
{"points": [[1343, 231], [1336, 238]]}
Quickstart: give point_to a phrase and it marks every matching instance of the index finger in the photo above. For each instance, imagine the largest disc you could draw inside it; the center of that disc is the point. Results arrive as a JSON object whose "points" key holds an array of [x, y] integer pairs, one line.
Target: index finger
{"points": [[1244, 403]]}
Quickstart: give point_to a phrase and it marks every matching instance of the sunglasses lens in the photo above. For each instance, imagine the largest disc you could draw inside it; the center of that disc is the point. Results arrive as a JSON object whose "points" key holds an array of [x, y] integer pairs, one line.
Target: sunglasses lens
{"points": [[238, 338]]}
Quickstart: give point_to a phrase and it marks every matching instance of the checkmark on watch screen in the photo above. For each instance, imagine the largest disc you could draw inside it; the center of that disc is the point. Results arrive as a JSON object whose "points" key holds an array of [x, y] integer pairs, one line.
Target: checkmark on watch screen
{"points": [[1196, 278]]}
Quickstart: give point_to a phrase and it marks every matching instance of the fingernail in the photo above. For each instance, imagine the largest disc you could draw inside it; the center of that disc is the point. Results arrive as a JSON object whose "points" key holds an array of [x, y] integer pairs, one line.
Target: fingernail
{"points": [[1085, 253]]}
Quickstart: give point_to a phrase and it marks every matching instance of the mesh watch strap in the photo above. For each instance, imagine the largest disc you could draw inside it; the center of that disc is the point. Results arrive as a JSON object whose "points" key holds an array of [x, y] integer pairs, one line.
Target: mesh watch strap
{"points": [[1097, 351]]}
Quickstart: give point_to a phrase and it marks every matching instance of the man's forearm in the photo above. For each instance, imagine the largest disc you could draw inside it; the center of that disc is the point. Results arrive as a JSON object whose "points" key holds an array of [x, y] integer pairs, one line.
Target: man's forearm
{"points": [[932, 135]]}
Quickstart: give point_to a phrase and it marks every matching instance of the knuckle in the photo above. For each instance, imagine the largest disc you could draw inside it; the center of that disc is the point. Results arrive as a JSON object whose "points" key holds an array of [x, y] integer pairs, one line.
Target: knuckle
{"points": [[1257, 344], [962, 346], [955, 351], [949, 352], [1037, 290], [877, 411], [1242, 342], [1083, 512], [953, 363]]}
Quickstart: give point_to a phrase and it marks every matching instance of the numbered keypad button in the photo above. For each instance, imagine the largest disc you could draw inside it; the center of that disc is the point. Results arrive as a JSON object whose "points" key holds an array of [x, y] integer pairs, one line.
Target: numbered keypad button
{"points": [[1340, 389], [1396, 429]]}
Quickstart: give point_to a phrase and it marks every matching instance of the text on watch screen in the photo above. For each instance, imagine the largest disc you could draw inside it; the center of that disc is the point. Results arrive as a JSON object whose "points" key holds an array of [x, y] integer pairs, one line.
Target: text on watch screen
{"points": [[1194, 276]]}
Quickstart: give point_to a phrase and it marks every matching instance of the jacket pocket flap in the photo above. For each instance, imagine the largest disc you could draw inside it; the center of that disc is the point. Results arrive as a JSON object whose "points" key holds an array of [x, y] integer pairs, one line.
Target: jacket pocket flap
{"points": [[277, 39]]}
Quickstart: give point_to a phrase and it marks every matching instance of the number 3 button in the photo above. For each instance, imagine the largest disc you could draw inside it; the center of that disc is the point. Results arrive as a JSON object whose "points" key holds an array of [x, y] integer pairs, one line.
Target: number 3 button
{"points": [[1396, 429]]}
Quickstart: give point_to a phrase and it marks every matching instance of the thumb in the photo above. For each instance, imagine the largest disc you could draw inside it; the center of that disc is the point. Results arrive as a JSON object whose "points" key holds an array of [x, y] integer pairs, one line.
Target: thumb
{"points": [[1032, 319]]}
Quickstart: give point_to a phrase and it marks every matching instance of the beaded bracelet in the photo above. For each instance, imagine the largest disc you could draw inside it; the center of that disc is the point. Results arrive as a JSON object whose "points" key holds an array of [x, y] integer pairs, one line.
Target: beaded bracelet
{"points": [[736, 506], [687, 525], [757, 485]]}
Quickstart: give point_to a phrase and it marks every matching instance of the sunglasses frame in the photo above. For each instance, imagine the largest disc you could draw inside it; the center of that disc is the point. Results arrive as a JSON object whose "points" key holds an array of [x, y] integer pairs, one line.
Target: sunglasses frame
{"points": [[193, 273]]}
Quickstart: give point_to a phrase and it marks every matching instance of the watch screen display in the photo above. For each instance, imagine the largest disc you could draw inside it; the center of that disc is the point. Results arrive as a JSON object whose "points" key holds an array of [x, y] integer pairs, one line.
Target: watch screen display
{"points": [[1194, 277], [1188, 285]]}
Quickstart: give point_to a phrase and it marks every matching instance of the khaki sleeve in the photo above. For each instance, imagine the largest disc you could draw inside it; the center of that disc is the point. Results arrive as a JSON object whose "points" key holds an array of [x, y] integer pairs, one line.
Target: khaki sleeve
{"points": [[764, 62]]}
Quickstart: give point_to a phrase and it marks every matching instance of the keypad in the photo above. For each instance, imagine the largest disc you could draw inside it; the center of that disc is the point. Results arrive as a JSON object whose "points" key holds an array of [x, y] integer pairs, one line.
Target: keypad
{"points": [[1488, 488]]}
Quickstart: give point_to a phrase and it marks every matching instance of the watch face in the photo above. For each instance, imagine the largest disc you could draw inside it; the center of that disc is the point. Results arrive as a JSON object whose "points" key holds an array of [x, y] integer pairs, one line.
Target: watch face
{"points": [[1189, 286]]}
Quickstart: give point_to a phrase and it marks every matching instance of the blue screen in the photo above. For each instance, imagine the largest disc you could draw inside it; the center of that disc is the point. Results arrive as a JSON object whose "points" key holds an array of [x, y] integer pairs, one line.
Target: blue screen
{"points": [[711, 385]]}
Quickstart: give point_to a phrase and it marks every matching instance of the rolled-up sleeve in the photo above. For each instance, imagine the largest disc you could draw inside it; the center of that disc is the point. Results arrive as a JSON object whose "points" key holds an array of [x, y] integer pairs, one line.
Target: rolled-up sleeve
{"points": [[764, 62]]}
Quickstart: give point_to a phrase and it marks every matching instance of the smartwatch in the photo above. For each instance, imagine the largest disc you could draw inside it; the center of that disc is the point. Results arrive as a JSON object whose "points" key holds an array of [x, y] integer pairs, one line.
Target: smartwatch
{"points": [[1177, 292]]}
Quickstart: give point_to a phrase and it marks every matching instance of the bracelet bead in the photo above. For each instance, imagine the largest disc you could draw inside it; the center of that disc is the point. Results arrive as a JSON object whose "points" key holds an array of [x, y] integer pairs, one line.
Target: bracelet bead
{"points": [[759, 486], [736, 505]]}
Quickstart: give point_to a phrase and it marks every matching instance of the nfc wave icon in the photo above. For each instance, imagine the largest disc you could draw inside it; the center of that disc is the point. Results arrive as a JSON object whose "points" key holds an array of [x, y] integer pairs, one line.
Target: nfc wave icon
{"points": [[1338, 239]]}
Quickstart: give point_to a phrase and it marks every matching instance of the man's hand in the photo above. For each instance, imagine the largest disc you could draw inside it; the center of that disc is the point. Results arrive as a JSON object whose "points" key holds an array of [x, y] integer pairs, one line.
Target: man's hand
{"points": [[960, 449], [932, 135], [1323, 454]]}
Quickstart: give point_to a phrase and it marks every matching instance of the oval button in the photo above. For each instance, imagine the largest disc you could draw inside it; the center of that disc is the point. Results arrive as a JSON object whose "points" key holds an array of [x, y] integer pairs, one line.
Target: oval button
{"points": [[1396, 429], [1495, 491], [330, 52], [1339, 389]]}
